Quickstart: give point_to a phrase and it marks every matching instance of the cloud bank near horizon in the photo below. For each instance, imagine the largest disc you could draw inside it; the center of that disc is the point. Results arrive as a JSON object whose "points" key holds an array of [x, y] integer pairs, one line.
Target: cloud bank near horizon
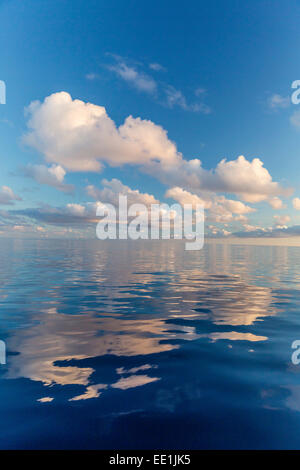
{"points": [[77, 136], [81, 136]]}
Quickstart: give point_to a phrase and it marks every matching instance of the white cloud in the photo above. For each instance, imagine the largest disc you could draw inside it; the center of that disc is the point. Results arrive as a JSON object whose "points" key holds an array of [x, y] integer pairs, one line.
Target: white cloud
{"points": [[236, 207], [281, 220], [185, 197], [176, 98], [296, 203], [200, 91], [219, 232], [7, 196], [130, 74], [112, 189], [76, 209], [241, 218], [51, 176], [91, 76], [157, 67], [223, 211], [276, 203], [277, 101], [251, 228], [167, 94], [81, 137], [248, 179], [295, 119], [280, 231], [219, 208]]}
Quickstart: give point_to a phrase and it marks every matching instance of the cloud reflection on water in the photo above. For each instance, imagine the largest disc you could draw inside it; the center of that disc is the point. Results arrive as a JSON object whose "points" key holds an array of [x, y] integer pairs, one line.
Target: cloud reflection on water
{"points": [[129, 304]]}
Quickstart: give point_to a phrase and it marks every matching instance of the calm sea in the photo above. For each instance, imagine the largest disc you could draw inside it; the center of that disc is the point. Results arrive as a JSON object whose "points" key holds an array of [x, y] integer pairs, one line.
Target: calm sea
{"points": [[145, 345]]}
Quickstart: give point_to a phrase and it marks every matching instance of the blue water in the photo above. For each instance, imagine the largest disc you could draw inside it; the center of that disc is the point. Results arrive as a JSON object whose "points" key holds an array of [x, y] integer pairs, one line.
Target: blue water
{"points": [[145, 345]]}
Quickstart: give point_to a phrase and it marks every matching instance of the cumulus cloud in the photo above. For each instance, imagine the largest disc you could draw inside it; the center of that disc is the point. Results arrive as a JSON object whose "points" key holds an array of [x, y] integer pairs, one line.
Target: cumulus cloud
{"points": [[241, 218], [281, 220], [236, 207], [81, 137], [223, 211], [220, 209], [276, 203], [7, 196], [51, 176], [185, 197], [112, 189], [250, 180], [296, 203]]}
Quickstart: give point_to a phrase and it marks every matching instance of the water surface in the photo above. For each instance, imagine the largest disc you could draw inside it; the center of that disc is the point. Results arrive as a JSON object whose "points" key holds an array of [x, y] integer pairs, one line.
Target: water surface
{"points": [[145, 345]]}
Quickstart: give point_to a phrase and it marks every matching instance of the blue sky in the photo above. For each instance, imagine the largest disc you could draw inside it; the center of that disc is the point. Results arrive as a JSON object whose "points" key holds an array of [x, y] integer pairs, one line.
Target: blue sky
{"points": [[216, 76]]}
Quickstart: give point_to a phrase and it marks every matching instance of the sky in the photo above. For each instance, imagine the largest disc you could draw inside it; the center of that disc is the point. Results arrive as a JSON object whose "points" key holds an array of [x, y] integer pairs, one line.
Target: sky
{"points": [[176, 102]]}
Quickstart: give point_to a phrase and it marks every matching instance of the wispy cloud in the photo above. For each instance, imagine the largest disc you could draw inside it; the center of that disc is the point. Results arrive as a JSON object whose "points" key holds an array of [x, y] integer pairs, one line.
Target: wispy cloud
{"points": [[270, 232], [139, 80], [295, 120], [157, 67], [281, 220], [277, 101], [91, 76], [50, 176], [200, 91], [176, 98], [7, 196], [164, 93]]}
